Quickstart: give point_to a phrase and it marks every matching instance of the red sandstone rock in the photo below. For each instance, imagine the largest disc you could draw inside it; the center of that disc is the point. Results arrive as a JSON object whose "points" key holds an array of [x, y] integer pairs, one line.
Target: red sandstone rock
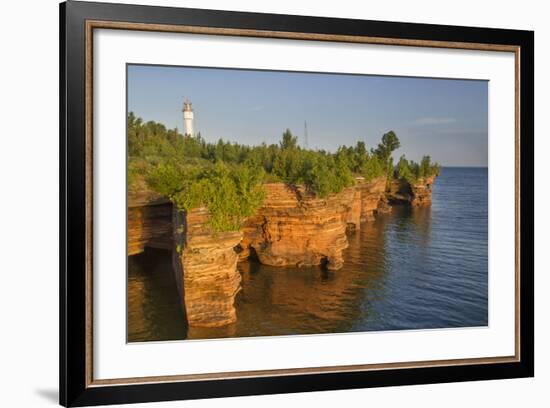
{"points": [[422, 191], [372, 193], [149, 222], [293, 227], [417, 194], [353, 217], [205, 264]]}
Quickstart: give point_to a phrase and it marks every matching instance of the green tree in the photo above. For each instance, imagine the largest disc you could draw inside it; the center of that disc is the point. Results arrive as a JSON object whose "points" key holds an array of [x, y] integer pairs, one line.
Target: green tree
{"points": [[384, 151], [389, 144], [372, 168], [289, 141], [361, 149], [404, 170]]}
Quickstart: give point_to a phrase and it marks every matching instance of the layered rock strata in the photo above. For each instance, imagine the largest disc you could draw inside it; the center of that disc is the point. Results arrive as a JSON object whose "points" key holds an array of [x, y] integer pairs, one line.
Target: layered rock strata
{"points": [[149, 222], [422, 191], [415, 194], [205, 264], [293, 227], [372, 196], [353, 216]]}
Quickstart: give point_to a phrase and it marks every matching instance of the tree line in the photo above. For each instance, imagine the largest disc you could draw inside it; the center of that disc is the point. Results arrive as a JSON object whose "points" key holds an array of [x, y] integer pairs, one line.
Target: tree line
{"points": [[227, 177]]}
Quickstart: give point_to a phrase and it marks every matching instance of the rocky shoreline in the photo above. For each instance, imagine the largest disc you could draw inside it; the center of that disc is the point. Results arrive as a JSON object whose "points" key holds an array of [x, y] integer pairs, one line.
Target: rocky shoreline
{"points": [[292, 228]]}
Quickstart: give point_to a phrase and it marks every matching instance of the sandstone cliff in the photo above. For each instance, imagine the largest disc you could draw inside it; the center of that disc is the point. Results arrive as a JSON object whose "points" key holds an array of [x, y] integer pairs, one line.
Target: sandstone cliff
{"points": [[149, 222], [414, 194], [293, 227], [372, 197], [205, 264]]}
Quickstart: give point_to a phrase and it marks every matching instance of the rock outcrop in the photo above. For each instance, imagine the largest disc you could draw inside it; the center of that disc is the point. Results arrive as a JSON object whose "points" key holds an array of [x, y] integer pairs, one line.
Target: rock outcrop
{"points": [[353, 216], [205, 264], [372, 197], [293, 227], [149, 222], [422, 191], [415, 194]]}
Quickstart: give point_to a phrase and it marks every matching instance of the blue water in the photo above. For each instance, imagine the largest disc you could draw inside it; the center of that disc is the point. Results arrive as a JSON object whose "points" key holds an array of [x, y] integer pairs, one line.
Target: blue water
{"points": [[415, 268]]}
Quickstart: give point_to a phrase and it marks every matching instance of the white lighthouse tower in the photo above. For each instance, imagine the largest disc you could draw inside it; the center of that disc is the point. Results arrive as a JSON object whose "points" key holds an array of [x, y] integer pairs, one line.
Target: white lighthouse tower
{"points": [[188, 118]]}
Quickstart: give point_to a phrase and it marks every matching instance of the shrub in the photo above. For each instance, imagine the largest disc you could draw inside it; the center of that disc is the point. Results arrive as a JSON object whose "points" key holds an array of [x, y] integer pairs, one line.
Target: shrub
{"points": [[230, 194]]}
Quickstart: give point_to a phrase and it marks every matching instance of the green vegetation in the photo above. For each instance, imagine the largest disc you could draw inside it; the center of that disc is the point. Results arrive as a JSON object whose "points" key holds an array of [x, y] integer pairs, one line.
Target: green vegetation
{"points": [[383, 151], [412, 171], [230, 193], [227, 177]]}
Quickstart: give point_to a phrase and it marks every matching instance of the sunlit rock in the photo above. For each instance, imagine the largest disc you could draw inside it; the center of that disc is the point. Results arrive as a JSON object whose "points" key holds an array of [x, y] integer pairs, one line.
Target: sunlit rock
{"points": [[372, 193], [415, 194], [294, 227], [149, 222], [205, 264]]}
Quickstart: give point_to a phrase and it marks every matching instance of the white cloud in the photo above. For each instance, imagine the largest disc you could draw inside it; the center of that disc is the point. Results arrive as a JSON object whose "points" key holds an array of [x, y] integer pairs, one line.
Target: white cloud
{"points": [[434, 121]]}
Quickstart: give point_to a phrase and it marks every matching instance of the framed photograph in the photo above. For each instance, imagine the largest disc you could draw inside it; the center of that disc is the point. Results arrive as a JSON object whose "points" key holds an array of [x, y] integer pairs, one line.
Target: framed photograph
{"points": [[256, 203]]}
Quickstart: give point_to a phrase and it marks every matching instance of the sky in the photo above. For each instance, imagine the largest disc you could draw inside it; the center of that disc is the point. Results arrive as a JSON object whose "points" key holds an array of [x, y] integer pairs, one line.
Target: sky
{"points": [[444, 118]]}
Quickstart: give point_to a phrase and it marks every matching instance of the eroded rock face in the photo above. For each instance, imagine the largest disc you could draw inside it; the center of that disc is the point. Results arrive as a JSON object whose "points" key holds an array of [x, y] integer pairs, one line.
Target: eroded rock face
{"points": [[415, 194], [293, 227], [422, 191], [205, 264], [353, 217], [372, 196], [149, 222]]}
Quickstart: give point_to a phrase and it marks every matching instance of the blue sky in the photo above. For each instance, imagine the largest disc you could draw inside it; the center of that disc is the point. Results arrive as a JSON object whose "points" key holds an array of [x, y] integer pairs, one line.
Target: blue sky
{"points": [[444, 118]]}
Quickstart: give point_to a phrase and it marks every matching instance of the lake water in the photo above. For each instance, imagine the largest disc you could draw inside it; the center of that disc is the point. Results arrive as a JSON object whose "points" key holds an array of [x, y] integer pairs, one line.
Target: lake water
{"points": [[415, 268]]}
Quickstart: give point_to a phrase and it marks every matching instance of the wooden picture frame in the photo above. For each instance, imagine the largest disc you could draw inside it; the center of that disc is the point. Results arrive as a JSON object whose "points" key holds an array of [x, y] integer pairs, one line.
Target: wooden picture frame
{"points": [[78, 20]]}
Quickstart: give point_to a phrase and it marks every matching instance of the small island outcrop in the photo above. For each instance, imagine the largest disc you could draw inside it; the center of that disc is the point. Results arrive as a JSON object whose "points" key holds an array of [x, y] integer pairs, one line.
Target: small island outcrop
{"points": [[417, 193]]}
